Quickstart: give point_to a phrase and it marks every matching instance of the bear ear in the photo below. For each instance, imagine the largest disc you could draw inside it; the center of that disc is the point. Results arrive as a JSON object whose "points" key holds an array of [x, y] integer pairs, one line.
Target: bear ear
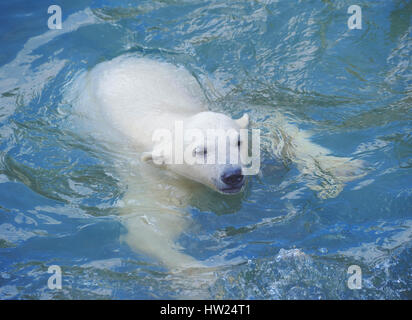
{"points": [[146, 157], [243, 122]]}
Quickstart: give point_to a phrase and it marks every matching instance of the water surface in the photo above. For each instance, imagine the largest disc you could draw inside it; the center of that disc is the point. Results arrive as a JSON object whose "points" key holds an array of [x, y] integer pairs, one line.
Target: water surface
{"points": [[59, 191]]}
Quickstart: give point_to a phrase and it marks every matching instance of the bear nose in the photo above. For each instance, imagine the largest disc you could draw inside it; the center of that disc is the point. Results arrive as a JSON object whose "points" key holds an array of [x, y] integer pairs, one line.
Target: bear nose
{"points": [[232, 177]]}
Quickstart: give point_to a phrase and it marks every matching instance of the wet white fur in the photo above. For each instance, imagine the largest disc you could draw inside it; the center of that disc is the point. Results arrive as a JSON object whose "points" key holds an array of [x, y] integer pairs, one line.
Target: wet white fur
{"points": [[122, 101]]}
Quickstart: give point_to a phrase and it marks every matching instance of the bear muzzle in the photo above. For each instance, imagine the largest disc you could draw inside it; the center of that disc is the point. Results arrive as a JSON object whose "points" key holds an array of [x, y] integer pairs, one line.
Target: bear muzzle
{"points": [[233, 180]]}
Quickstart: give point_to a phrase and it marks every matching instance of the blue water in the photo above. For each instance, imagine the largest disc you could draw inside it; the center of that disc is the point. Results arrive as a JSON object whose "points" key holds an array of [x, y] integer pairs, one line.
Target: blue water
{"points": [[351, 88]]}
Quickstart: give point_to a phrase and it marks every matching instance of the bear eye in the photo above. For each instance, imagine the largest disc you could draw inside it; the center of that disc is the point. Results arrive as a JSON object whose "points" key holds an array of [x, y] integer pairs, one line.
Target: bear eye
{"points": [[199, 151]]}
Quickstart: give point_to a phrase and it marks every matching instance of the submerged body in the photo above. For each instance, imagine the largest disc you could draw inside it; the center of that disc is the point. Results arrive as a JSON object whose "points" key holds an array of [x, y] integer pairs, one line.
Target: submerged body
{"points": [[130, 98]]}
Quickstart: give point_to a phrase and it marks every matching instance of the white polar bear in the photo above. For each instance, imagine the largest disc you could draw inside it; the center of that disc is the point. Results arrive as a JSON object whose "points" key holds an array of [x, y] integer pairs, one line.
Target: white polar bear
{"points": [[125, 100], [131, 98]]}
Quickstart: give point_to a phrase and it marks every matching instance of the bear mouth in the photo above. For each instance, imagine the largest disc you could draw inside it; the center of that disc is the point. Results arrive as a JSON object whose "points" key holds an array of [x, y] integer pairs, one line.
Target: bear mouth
{"points": [[232, 190]]}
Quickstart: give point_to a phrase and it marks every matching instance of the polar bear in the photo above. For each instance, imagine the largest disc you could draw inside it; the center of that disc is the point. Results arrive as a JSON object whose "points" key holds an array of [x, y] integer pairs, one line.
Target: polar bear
{"points": [[125, 101], [133, 98]]}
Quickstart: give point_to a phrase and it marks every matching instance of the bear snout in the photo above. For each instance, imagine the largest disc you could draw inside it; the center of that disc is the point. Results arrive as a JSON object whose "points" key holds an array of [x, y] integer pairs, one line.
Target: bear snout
{"points": [[232, 177]]}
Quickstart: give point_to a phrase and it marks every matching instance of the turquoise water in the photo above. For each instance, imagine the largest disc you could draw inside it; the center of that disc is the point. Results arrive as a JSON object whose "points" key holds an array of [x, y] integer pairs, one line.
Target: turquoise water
{"points": [[352, 89]]}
